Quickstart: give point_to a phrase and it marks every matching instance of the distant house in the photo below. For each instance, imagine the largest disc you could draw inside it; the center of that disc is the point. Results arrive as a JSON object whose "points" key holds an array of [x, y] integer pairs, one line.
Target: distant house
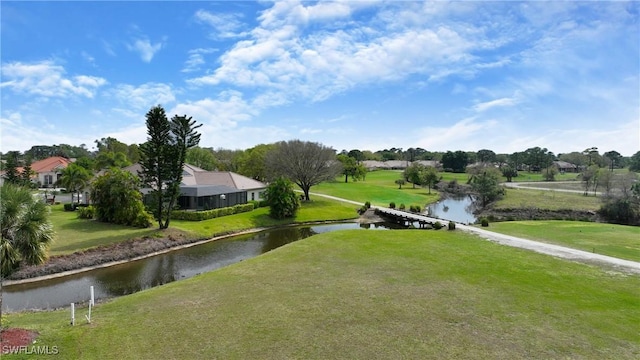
{"points": [[203, 190], [47, 171], [564, 166]]}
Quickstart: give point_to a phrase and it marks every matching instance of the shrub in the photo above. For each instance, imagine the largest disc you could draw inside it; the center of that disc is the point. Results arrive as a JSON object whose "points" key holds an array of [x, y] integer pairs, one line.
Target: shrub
{"points": [[367, 204], [69, 207], [211, 214], [437, 225], [392, 205], [143, 220], [484, 222], [402, 207], [418, 208], [86, 212], [452, 225]]}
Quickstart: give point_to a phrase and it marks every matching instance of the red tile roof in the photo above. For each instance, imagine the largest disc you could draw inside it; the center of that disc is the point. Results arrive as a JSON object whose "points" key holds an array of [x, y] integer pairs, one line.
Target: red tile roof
{"points": [[50, 164]]}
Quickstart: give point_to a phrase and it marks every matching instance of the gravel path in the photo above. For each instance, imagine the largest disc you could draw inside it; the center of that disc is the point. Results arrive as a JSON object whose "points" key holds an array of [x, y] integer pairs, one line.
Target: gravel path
{"points": [[544, 248]]}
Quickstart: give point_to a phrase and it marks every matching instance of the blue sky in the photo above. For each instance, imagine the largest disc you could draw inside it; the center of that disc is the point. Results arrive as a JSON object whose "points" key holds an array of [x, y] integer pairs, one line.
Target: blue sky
{"points": [[363, 75]]}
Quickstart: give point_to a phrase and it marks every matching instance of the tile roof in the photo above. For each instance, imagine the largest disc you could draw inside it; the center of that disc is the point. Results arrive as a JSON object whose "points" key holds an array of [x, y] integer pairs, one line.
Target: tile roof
{"points": [[50, 164]]}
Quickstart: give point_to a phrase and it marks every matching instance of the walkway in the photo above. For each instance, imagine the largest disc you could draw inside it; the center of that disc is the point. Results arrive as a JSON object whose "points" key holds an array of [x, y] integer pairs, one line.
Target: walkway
{"points": [[536, 186], [544, 248]]}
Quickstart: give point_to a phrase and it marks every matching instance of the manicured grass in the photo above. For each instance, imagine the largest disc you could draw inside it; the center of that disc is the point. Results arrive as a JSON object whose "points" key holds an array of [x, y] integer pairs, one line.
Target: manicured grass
{"points": [[318, 209], [607, 239], [379, 188], [73, 234], [548, 200], [367, 295]]}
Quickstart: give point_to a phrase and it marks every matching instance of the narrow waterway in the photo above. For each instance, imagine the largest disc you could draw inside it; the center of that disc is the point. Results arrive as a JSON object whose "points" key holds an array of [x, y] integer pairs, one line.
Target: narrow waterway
{"points": [[142, 274]]}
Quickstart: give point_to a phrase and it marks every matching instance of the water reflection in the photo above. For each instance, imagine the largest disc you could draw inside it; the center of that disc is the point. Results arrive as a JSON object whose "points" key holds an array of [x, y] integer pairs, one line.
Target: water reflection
{"points": [[458, 209], [138, 275]]}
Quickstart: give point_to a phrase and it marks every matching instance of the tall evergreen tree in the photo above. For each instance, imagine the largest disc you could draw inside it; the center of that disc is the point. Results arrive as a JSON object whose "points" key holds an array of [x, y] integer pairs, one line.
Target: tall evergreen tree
{"points": [[162, 159], [25, 176], [11, 174]]}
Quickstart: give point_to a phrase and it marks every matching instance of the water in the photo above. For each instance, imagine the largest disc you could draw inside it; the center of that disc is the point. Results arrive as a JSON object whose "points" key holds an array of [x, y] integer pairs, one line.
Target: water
{"points": [[142, 274], [458, 209]]}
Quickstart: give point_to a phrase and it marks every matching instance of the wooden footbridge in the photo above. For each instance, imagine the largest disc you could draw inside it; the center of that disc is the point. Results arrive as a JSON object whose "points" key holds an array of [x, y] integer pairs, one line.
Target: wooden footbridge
{"points": [[408, 218]]}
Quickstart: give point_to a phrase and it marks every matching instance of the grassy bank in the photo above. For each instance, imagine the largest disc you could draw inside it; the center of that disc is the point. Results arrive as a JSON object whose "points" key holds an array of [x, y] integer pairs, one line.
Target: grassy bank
{"points": [[367, 295], [318, 209], [607, 239], [73, 234], [547, 200], [379, 188]]}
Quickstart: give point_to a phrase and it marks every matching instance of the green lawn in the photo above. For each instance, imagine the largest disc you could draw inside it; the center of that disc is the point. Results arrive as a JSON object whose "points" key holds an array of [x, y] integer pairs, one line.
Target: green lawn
{"points": [[318, 209], [545, 199], [379, 188], [607, 239], [73, 234], [366, 295]]}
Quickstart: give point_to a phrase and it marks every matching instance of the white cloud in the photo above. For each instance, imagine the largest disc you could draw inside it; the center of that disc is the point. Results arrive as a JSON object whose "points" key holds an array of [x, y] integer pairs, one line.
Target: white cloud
{"points": [[196, 59], [18, 134], [144, 47], [216, 114], [502, 102], [46, 78], [225, 25], [323, 64], [145, 95], [467, 134]]}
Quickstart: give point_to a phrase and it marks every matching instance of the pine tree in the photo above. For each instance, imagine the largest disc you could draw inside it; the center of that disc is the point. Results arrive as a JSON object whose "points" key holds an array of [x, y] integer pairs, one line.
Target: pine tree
{"points": [[163, 157]]}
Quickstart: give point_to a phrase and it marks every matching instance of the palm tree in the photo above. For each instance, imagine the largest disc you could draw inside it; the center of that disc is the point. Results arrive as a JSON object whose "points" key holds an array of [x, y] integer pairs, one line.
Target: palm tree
{"points": [[75, 178], [26, 230]]}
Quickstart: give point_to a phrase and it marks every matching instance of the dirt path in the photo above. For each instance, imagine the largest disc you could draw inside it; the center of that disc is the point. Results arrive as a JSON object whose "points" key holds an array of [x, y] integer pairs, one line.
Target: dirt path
{"points": [[544, 248]]}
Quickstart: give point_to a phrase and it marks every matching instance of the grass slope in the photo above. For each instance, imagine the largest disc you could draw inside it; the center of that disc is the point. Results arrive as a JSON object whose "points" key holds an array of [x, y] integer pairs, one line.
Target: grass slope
{"points": [[367, 295], [608, 239]]}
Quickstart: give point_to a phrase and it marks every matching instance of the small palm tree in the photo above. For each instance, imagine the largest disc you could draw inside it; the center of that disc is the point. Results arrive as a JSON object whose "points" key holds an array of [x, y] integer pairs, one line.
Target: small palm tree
{"points": [[75, 178], [26, 230]]}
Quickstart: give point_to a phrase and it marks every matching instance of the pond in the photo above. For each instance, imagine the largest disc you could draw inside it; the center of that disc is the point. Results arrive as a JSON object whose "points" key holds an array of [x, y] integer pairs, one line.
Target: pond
{"points": [[142, 274], [459, 209]]}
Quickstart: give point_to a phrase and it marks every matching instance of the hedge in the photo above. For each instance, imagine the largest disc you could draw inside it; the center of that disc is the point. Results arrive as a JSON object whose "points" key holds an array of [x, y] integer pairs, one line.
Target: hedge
{"points": [[210, 214]]}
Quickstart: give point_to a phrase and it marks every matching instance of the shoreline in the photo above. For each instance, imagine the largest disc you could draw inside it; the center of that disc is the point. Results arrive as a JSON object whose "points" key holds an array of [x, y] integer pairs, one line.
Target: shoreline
{"points": [[102, 251]]}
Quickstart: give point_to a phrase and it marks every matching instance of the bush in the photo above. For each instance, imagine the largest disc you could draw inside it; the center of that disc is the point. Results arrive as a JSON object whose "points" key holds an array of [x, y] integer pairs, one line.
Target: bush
{"points": [[392, 205], [452, 225], [437, 225], [143, 220], [484, 222], [367, 205], [86, 212], [69, 207], [402, 207]]}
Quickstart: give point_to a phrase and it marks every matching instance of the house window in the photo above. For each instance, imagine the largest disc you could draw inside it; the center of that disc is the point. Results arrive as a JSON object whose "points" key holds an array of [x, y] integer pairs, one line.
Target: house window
{"points": [[48, 179], [253, 196]]}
